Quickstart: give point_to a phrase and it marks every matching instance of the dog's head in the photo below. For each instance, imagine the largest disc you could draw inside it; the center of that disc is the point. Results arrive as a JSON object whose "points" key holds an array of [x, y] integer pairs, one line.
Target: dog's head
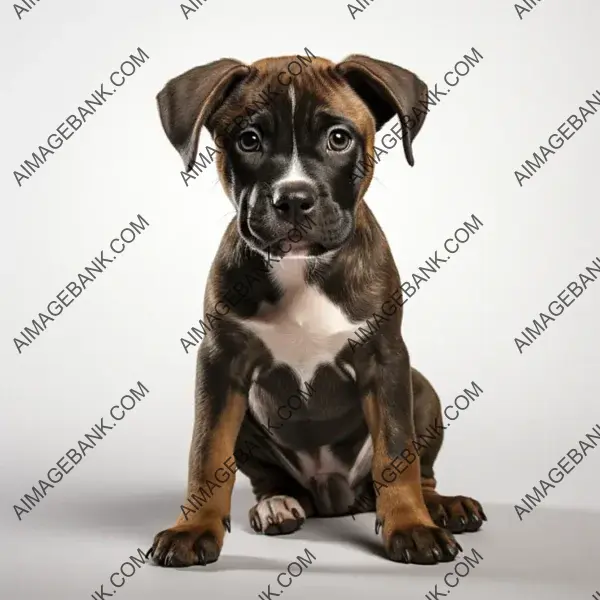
{"points": [[291, 133]]}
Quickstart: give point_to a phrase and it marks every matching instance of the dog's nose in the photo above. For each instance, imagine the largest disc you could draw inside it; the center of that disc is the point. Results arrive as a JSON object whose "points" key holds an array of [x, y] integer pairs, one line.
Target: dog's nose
{"points": [[294, 200]]}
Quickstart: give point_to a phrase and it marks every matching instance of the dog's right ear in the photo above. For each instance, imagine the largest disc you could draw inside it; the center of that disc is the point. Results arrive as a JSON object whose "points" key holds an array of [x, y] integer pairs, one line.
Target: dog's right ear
{"points": [[186, 102]]}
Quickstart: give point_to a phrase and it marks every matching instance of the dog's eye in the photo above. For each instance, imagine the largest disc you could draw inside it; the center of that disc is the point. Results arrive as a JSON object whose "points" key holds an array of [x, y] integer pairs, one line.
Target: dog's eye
{"points": [[249, 141], [339, 140]]}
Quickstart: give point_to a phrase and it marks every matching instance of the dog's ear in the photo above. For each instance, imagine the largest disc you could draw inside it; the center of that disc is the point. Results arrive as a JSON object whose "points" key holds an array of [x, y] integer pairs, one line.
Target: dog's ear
{"points": [[388, 90], [186, 102]]}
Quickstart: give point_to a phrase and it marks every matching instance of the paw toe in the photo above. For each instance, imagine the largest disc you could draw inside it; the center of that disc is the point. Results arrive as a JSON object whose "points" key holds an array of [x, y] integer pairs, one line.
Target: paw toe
{"points": [[422, 545], [277, 515], [184, 548], [458, 514]]}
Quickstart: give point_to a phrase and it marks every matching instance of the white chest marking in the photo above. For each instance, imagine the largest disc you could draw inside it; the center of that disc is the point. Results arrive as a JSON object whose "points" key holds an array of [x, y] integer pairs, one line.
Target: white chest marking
{"points": [[305, 328]]}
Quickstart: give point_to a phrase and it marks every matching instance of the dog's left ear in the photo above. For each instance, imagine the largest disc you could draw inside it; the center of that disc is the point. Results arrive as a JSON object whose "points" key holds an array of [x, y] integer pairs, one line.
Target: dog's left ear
{"points": [[186, 102], [388, 90]]}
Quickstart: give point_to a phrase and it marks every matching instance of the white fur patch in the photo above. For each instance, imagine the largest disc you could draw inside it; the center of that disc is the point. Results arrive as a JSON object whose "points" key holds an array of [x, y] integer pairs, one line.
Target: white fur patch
{"points": [[305, 329], [278, 507], [295, 170]]}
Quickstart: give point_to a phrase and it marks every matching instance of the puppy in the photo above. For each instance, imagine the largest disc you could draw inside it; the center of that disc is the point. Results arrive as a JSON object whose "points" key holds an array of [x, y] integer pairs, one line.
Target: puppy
{"points": [[302, 268]]}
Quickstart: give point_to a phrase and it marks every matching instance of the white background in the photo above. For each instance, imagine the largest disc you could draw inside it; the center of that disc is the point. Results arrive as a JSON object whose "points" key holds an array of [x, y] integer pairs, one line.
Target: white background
{"points": [[459, 327]]}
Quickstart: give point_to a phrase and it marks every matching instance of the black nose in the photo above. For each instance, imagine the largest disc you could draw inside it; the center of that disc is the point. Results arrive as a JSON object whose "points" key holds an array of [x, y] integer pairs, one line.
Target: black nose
{"points": [[294, 200]]}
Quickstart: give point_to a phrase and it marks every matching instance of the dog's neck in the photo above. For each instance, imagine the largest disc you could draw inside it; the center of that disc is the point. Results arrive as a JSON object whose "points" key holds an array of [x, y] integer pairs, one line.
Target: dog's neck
{"points": [[363, 264]]}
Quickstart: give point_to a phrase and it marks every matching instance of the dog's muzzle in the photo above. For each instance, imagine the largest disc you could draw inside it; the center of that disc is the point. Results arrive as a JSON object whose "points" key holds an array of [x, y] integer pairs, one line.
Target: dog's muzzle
{"points": [[294, 214]]}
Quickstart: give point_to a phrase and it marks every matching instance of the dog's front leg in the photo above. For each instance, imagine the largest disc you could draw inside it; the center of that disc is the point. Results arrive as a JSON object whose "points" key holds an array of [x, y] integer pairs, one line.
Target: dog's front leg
{"points": [[197, 536], [409, 534]]}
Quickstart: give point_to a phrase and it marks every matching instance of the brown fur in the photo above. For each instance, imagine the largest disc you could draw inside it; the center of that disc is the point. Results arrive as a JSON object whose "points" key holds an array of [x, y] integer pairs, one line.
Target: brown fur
{"points": [[409, 509], [400, 503], [319, 79], [207, 524]]}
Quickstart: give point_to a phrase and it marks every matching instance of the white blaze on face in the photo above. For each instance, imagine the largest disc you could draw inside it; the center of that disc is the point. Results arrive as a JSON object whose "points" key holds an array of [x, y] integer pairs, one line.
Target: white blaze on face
{"points": [[295, 171]]}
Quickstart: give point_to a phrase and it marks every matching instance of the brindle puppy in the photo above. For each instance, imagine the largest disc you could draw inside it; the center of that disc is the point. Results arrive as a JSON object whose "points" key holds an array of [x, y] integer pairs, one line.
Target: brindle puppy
{"points": [[300, 269]]}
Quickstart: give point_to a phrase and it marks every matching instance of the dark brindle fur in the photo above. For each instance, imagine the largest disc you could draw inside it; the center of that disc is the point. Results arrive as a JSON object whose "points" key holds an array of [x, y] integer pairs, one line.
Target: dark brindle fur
{"points": [[366, 406]]}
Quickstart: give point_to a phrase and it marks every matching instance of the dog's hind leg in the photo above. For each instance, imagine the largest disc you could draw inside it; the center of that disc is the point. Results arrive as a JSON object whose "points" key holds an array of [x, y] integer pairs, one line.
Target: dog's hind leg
{"points": [[455, 513], [283, 504]]}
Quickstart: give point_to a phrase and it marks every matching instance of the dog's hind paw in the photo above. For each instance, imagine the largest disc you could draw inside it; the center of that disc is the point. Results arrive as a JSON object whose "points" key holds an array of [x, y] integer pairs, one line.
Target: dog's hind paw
{"points": [[277, 515], [458, 514]]}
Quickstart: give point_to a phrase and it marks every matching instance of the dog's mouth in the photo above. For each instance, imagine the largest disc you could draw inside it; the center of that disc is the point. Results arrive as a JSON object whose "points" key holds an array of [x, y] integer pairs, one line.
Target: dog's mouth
{"points": [[303, 249], [314, 236], [285, 245]]}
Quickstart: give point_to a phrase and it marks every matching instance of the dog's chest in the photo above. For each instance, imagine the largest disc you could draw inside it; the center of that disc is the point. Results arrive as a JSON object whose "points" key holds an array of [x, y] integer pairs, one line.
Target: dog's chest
{"points": [[305, 328]]}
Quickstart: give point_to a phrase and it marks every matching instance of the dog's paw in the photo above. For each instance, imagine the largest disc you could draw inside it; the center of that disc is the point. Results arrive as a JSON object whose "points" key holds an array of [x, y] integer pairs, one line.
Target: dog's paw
{"points": [[421, 545], [458, 514], [277, 515], [184, 546]]}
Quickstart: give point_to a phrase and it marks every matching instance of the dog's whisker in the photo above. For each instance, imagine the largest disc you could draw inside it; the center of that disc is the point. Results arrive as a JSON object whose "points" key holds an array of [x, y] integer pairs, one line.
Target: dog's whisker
{"points": [[227, 216]]}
